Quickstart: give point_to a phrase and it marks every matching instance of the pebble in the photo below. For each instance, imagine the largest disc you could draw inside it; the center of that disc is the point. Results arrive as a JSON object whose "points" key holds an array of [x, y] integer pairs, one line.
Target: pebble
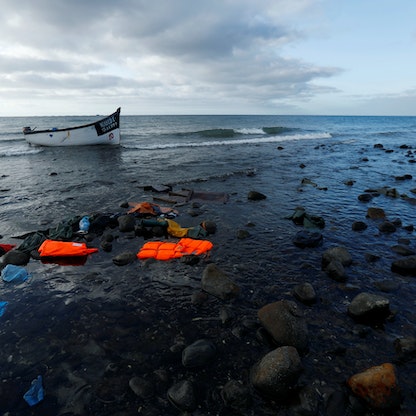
{"points": [[124, 258], [198, 354], [305, 293], [236, 395], [141, 387], [182, 396]]}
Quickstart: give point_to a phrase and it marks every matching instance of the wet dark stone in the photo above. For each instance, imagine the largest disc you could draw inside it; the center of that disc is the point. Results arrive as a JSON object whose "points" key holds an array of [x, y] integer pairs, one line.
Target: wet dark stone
{"points": [[403, 250], [375, 213], [306, 238], [405, 266], [126, 223], [405, 347], [124, 258], [338, 253], [235, 395], [359, 226], [242, 234], [309, 399], [182, 396], [16, 257], [190, 260], [106, 246], [285, 322], [387, 227], [371, 258], [367, 307], [141, 387], [305, 293], [277, 372], [216, 282], [387, 285], [199, 298], [255, 196], [198, 354], [365, 197], [336, 271]]}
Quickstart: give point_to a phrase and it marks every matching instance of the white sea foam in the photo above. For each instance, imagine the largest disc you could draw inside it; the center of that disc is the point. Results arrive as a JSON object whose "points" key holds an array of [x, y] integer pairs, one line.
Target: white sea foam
{"points": [[19, 152], [250, 131], [231, 142]]}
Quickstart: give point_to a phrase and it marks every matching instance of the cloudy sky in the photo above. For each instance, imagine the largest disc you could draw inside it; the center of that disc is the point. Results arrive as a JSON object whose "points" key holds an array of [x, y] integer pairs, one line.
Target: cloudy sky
{"points": [[352, 57]]}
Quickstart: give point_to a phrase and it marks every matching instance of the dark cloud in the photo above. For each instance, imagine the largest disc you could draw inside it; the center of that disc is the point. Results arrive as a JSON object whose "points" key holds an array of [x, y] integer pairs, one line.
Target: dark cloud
{"points": [[160, 48]]}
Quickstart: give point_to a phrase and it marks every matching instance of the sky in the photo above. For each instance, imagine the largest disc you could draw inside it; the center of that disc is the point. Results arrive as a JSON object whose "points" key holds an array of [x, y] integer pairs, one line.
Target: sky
{"points": [[317, 57]]}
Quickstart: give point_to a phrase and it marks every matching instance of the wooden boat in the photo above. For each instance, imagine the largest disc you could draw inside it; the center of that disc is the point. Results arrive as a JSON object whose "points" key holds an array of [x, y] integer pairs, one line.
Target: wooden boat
{"points": [[104, 131]]}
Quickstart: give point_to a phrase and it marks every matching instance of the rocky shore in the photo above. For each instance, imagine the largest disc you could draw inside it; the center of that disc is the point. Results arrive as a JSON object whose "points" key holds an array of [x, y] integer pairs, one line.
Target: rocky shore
{"points": [[308, 327]]}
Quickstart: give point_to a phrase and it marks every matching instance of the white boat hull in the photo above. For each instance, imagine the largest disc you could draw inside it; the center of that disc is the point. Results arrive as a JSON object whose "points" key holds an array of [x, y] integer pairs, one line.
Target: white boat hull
{"points": [[102, 132]]}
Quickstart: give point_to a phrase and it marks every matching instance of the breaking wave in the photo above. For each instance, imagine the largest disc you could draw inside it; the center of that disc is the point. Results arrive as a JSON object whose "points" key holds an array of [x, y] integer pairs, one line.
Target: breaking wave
{"points": [[234, 142], [19, 152]]}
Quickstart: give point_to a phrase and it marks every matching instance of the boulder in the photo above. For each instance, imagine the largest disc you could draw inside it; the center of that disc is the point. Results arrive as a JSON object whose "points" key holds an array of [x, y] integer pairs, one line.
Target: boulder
{"points": [[359, 226], [405, 266], [336, 271], [16, 257], [387, 227], [284, 321], [277, 373], [365, 197], [306, 238], [255, 196], [217, 283], [305, 293], [405, 348], [126, 223], [182, 396], [236, 395], [377, 386], [337, 253], [368, 306], [375, 213], [403, 250], [141, 387], [124, 258], [198, 353]]}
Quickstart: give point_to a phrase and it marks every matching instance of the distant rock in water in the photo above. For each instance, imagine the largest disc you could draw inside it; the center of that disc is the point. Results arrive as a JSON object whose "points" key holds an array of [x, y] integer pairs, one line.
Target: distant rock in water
{"points": [[405, 266], [255, 196]]}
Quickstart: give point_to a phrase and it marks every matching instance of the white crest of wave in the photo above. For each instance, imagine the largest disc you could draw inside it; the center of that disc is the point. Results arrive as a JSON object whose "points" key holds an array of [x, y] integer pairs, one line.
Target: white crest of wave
{"points": [[19, 152], [250, 131], [233, 142]]}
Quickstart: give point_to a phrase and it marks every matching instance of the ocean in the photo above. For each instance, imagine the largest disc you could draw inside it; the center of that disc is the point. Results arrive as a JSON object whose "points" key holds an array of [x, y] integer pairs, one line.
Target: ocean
{"points": [[89, 329]]}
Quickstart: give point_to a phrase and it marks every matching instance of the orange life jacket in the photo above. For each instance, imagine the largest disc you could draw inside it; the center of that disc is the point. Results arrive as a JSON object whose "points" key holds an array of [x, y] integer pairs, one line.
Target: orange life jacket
{"points": [[166, 250], [52, 248]]}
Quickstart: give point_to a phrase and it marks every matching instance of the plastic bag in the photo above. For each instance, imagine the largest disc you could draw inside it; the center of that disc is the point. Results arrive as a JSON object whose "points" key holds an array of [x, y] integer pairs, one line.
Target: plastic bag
{"points": [[3, 305], [16, 274], [36, 393]]}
